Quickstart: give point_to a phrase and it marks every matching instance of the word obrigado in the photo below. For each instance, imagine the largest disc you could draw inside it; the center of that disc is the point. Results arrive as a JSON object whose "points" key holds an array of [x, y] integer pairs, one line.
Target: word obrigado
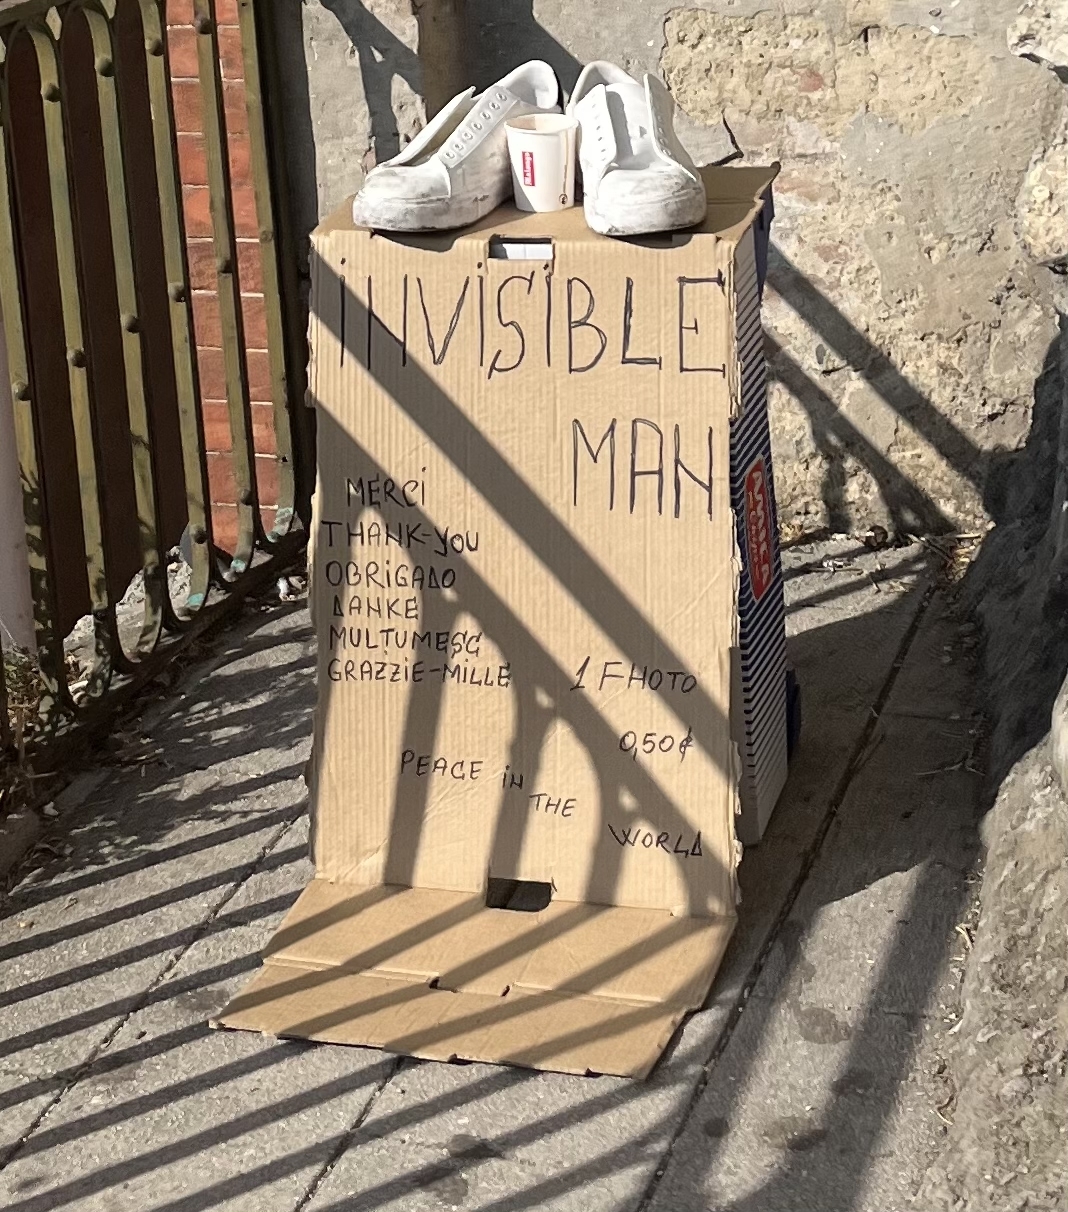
{"points": [[385, 575]]}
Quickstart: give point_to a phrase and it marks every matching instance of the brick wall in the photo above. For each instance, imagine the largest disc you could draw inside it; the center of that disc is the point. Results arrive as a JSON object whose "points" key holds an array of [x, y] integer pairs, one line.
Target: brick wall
{"points": [[182, 41]]}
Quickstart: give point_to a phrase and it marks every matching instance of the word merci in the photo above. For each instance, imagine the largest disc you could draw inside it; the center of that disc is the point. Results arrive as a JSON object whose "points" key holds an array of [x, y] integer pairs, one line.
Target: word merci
{"points": [[372, 492], [517, 320]]}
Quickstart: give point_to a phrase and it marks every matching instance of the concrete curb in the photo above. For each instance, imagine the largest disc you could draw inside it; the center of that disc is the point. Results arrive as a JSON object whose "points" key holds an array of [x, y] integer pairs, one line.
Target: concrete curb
{"points": [[18, 834], [21, 831]]}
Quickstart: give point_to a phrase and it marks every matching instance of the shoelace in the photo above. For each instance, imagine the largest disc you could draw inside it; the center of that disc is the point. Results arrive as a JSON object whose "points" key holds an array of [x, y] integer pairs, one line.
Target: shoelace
{"points": [[466, 133], [635, 130]]}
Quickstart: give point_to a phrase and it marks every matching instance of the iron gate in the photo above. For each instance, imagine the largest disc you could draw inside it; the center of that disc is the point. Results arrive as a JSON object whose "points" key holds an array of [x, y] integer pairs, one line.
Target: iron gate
{"points": [[97, 310]]}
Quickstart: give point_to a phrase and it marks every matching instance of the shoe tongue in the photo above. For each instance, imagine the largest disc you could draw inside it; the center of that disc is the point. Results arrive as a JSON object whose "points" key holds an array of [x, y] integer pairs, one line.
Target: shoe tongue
{"points": [[635, 107], [632, 94]]}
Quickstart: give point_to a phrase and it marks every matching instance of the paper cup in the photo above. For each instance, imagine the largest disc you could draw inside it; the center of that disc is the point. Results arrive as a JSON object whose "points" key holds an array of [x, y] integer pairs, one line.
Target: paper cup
{"points": [[541, 148]]}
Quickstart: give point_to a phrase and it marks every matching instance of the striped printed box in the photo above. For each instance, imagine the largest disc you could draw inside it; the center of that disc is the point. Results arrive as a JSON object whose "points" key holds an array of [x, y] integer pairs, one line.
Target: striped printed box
{"points": [[759, 706]]}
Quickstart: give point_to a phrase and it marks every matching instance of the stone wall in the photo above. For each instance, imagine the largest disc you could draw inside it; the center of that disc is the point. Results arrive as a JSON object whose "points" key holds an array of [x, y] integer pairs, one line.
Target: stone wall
{"points": [[919, 206], [358, 77]]}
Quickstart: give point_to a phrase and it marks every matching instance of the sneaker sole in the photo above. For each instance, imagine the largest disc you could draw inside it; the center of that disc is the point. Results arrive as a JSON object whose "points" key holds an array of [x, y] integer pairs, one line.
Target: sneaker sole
{"points": [[439, 215], [667, 214]]}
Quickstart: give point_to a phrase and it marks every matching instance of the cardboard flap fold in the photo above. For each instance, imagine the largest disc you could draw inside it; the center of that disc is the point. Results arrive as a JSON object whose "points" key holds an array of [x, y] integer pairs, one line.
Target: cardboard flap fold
{"points": [[639, 955], [576, 988], [538, 1030], [450, 940]]}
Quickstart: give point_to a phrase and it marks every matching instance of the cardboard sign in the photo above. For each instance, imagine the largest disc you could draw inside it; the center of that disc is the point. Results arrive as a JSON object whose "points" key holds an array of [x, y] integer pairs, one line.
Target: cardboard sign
{"points": [[525, 585]]}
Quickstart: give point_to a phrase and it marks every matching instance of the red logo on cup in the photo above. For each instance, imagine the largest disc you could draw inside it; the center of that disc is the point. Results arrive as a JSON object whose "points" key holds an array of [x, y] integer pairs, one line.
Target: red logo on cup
{"points": [[528, 168], [758, 529]]}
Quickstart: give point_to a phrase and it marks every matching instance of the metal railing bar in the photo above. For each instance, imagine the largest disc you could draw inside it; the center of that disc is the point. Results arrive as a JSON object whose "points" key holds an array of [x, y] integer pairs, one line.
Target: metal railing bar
{"points": [[183, 339], [133, 352], [12, 14], [105, 630], [269, 252], [265, 34], [41, 160], [52, 670]]}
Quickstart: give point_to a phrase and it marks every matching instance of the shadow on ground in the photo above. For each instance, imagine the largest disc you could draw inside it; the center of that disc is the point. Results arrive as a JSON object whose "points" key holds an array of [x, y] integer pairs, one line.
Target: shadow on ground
{"points": [[139, 1076]]}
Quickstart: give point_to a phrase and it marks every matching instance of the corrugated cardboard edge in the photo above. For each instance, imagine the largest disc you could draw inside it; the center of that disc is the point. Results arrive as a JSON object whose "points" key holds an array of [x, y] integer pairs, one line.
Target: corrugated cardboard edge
{"points": [[734, 378], [748, 185], [735, 751], [318, 265], [735, 388]]}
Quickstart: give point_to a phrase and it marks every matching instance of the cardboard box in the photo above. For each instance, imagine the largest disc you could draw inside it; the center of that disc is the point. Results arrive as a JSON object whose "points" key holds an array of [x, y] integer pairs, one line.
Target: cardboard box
{"points": [[526, 587], [759, 705]]}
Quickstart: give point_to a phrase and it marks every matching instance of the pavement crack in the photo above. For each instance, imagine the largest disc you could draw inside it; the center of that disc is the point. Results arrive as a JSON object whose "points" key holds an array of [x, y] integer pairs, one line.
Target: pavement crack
{"points": [[862, 751], [349, 1135]]}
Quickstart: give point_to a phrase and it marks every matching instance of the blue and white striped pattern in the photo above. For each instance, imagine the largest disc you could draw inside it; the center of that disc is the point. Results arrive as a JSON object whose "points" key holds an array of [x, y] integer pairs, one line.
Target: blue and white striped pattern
{"points": [[762, 623]]}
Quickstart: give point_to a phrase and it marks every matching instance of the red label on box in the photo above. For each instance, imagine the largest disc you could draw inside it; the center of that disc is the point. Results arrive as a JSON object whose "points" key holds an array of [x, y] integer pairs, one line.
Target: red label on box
{"points": [[528, 168], [758, 529]]}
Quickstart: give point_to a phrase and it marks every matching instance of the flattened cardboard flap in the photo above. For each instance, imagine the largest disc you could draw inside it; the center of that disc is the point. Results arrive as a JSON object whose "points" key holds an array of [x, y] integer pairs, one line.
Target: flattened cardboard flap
{"points": [[539, 1030], [437, 974]]}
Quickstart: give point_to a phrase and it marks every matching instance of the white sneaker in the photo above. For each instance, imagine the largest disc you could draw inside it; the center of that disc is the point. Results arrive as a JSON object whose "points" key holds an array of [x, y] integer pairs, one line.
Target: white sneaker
{"points": [[456, 169], [636, 175]]}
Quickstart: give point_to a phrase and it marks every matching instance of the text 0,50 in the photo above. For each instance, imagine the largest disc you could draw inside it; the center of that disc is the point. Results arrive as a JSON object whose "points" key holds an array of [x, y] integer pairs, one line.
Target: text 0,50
{"points": [[654, 742]]}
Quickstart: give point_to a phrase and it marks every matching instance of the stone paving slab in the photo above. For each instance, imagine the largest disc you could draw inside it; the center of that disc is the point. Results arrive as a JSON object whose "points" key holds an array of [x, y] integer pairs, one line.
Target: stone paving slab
{"points": [[789, 1114], [826, 1095], [845, 631], [176, 1115], [184, 862], [144, 853], [552, 1142], [23, 1097], [487, 1137], [75, 963], [206, 975]]}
